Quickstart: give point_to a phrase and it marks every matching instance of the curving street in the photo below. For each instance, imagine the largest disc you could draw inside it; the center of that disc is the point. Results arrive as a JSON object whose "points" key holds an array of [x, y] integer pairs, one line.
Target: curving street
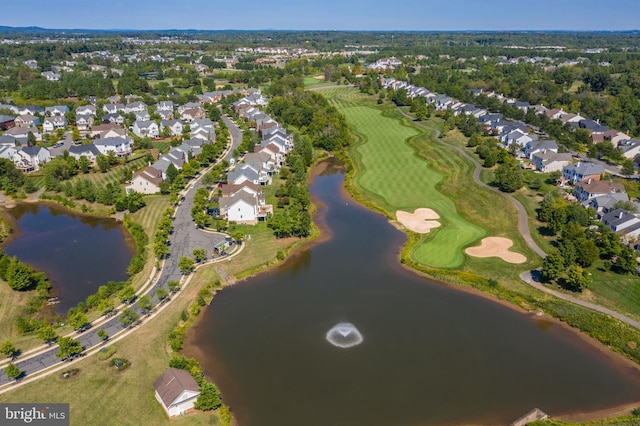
{"points": [[185, 237]]}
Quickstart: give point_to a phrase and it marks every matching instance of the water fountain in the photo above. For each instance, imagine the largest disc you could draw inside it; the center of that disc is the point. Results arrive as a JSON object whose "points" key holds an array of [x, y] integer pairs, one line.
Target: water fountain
{"points": [[344, 335]]}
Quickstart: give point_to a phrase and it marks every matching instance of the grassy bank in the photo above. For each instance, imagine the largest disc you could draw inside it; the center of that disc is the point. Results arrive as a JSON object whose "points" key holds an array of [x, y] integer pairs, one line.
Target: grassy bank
{"points": [[399, 166], [99, 395]]}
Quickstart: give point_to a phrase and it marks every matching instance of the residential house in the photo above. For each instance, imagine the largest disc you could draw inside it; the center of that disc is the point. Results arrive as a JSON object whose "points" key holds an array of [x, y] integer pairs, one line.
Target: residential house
{"points": [[142, 115], [146, 181], [165, 115], [120, 146], [84, 122], [244, 209], [587, 190], [27, 120], [623, 223], [592, 126], [21, 134], [136, 107], [113, 118], [535, 146], [86, 110], [517, 137], [165, 106], [35, 155], [103, 131], [175, 126], [204, 123], [175, 157], [176, 390], [30, 110], [271, 149], [50, 76], [630, 148], [55, 122], [56, 110], [192, 114], [113, 108], [7, 140], [252, 189], [7, 122], [146, 128], [242, 173], [89, 151], [604, 204], [262, 161], [549, 161], [582, 171], [203, 134]]}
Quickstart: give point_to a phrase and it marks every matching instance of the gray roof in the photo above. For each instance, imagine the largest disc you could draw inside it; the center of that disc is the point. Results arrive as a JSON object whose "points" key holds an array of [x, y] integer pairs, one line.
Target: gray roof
{"points": [[543, 144], [84, 149], [584, 169], [6, 118], [617, 217], [7, 140], [115, 141], [32, 150], [225, 202], [606, 201], [246, 171]]}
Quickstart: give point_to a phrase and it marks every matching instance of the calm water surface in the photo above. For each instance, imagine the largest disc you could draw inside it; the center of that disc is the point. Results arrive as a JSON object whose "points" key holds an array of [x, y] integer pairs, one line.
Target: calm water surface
{"points": [[430, 354], [78, 253]]}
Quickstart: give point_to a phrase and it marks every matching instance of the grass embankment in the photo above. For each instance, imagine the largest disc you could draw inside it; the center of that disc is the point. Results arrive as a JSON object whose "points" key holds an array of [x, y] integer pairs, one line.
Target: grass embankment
{"points": [[100, 395], [400, 167], [617, 292]]}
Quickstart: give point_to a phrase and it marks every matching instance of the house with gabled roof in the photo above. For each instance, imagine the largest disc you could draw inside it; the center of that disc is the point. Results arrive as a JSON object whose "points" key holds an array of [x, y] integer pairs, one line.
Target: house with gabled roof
{"points": [[113, 118], [146, 128], [54, 122], [175, 126], [587, 190], [120, 146], [250, 188], [114, 108], [582, 171], [22, 134], [88, 151], [27, 120], [30, 110], [623, 223], [146, 181], [192, 114], [86, 110], [604, 204], [84, 122], [165, 106], [142, 115], [56, 110], [550, 161], [136, 107], [629, 148], [535, 146], [174, 156], [177, 391], [102, 131], [244, 208], [7, 122]]}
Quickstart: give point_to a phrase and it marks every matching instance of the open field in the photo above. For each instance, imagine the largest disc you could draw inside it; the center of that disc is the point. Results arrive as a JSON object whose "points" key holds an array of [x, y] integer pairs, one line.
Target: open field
{"points": [[312, 83], [99, 395], [114, 175]]}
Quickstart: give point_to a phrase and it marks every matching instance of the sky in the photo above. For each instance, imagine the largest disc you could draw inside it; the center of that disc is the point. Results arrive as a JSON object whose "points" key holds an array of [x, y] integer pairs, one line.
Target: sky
{"points": [[407, 15]]}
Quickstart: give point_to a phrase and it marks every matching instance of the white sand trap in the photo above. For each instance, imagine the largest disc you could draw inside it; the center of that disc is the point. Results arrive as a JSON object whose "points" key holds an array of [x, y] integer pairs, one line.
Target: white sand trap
{"points": [[496, 247], [420, 221]]}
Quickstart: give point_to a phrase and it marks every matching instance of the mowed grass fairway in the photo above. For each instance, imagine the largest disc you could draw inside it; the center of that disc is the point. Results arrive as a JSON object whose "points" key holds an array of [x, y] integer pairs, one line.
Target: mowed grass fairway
{"points": [[397, 179]]}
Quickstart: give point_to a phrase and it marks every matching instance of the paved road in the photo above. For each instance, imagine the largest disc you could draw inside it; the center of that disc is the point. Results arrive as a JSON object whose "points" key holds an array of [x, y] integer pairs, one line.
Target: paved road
{"points": [[185, 237], [532, 278]]}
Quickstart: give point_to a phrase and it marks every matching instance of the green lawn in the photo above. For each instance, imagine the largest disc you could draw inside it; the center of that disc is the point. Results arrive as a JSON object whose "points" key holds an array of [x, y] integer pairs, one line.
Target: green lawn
{"points": [[101, 396], [312, 83]]}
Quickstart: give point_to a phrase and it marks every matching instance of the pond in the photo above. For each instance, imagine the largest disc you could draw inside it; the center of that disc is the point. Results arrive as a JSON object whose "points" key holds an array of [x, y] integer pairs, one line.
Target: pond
{"points": [[77, 252], [341, 334]]}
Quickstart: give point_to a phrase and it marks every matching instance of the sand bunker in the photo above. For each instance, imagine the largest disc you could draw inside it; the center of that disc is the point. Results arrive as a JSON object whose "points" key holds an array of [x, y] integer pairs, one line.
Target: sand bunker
{"points": [[496, 247], [420, 221]]}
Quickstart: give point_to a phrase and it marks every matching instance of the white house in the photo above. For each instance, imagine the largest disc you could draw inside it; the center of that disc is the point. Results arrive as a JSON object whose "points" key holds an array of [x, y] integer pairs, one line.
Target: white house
{"points": [[120, 146], [175, 126], [177, 391], [243, 208], [86, 110], [54, 122], [146, 128]]}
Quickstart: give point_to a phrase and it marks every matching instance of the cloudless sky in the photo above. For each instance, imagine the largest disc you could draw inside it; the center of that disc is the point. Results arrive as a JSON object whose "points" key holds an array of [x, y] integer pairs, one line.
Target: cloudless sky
{"points": [[423, 15]]}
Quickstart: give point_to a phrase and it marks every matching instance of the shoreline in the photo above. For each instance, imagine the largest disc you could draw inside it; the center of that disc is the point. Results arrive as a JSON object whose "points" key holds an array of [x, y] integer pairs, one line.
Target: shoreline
{"points": [[324, 234]]}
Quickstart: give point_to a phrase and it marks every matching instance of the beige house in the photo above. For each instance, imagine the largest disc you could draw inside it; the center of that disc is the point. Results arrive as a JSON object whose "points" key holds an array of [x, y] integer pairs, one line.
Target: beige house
{"points": [[146, 182]]}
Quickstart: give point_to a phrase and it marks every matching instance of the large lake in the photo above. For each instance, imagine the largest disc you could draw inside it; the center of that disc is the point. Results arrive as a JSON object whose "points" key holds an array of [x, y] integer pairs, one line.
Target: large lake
{"points": [[78, 253], [430, 354]]}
